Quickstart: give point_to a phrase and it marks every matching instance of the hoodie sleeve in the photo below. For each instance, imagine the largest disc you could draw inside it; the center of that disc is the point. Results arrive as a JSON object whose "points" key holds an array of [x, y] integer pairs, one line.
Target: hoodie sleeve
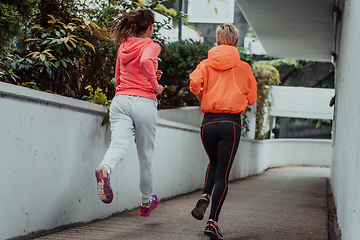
{"points": [[149, 63], [197, 78], [117, 69], [252, 85]]}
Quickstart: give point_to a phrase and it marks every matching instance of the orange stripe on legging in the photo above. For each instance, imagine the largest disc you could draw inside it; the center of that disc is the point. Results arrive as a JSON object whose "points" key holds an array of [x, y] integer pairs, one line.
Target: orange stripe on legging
{"points": [[220, 122], [227, 171], [207, 172]]}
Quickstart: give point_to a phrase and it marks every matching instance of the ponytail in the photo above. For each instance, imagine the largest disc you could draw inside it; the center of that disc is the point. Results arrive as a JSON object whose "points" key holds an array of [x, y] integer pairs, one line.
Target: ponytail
{"points": [[132, 23]]}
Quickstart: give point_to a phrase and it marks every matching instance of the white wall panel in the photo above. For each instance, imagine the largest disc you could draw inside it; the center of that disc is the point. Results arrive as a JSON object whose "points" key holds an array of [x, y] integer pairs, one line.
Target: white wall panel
{"points": [[345, 177], [302, 102]]}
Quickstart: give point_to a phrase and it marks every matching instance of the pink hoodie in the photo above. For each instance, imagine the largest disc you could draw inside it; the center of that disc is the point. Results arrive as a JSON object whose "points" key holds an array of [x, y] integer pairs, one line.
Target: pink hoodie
{"points": [[136, 66]]}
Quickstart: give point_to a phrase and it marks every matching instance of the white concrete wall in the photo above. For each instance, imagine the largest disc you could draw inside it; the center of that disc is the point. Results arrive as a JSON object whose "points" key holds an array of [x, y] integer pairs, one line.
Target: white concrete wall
{"points": [[254, 156], [345, 174], [302, 102], [50, 146], [187, 115]]}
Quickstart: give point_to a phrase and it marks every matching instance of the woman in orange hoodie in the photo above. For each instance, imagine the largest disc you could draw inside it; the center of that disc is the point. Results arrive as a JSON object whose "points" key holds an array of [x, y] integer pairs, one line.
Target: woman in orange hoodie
{"points": [[134, 105], [225, 85]]}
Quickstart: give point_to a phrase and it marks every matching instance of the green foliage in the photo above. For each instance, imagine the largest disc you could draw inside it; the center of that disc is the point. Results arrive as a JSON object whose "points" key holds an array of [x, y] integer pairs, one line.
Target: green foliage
{"points": [[98, 97], [12, 13], [319, 122], [30, 85], [177, 60], [166, 12], [6, 72], [244, 56], [293, 72], [327, 81], [58, 57], [245, 127], [10, 25], [279, 62], [68, 46], [266, 77]]}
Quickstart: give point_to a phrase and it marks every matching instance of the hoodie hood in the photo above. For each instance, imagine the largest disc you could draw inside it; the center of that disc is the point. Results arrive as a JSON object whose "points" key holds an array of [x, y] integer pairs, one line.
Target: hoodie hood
{"points": [[132, 47], [223, 57]]}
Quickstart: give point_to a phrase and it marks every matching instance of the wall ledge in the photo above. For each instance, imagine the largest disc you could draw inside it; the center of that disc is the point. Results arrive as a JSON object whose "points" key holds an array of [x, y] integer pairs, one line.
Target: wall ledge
{"points": [[14, 91], [176, 125], [286, 140]]}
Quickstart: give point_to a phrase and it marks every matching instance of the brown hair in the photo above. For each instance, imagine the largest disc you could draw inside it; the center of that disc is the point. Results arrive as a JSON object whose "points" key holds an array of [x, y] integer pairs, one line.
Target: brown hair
{"points": [[132, 23], [227, 34]]}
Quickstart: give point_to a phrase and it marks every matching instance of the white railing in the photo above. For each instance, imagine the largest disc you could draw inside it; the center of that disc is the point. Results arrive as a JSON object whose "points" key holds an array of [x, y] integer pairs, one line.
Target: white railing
{"points": [[50, 146]]}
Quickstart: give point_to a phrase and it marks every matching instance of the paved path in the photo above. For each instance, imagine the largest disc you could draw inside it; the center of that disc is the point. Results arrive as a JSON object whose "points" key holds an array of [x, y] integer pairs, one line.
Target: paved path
{"points": [[282, 203]]}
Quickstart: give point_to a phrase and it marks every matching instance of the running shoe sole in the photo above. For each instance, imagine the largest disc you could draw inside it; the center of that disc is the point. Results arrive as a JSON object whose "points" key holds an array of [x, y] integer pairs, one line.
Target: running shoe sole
{"points": [[104, 190], [199, 210]]}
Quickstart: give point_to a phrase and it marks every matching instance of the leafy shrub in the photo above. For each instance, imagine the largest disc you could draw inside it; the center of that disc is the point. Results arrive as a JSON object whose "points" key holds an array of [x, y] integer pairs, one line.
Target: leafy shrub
{"points": [[11, 15], [177, 60], [62, 59], [64, 52], [266, 77], [98, 97]]}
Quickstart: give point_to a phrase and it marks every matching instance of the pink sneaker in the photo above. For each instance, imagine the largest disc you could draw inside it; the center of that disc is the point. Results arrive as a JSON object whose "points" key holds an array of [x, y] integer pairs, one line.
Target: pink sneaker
{"points": [[145, 211], [103, 185]]}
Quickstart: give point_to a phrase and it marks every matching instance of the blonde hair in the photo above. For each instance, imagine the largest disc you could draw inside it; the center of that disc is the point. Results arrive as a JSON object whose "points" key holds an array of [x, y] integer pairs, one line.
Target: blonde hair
{"points": [[227, 34]]}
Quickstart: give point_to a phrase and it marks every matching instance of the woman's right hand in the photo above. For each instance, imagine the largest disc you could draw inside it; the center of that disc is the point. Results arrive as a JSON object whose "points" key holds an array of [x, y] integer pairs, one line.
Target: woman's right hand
{"points": [[159, 90]]}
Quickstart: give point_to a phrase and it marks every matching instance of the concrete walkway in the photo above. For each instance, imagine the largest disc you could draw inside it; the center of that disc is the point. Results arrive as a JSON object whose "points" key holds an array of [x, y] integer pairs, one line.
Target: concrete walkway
{"points": [[282, 203]]}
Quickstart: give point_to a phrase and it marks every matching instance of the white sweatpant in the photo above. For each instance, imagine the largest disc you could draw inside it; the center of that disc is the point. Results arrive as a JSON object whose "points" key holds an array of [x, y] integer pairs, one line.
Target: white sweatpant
{"points": [[126, 113]]}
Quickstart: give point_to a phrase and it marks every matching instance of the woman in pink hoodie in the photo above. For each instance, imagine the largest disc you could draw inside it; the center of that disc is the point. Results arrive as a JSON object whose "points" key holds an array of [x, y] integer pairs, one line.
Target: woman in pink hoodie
{"points": [[134, 105]]}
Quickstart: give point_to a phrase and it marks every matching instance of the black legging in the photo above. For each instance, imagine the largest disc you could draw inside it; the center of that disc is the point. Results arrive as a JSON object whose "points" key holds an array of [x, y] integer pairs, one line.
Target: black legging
{"points": [[220, 134]]}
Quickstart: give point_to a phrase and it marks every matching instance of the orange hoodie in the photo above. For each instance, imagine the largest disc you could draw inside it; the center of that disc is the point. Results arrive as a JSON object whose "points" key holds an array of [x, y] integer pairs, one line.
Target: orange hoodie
{"points": [[228, 84], [136, 66]]}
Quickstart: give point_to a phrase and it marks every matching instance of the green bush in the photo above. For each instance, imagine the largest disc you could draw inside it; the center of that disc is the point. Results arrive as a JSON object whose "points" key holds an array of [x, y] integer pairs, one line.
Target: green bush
{"points": [[177, 60], [9, 20], [266, 76], [68, 46], [12, 13], [65, 57]]}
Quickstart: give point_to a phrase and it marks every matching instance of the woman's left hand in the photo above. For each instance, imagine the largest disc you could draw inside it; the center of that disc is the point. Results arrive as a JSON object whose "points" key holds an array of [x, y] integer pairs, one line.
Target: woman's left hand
{"points": [[158, 73]]}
